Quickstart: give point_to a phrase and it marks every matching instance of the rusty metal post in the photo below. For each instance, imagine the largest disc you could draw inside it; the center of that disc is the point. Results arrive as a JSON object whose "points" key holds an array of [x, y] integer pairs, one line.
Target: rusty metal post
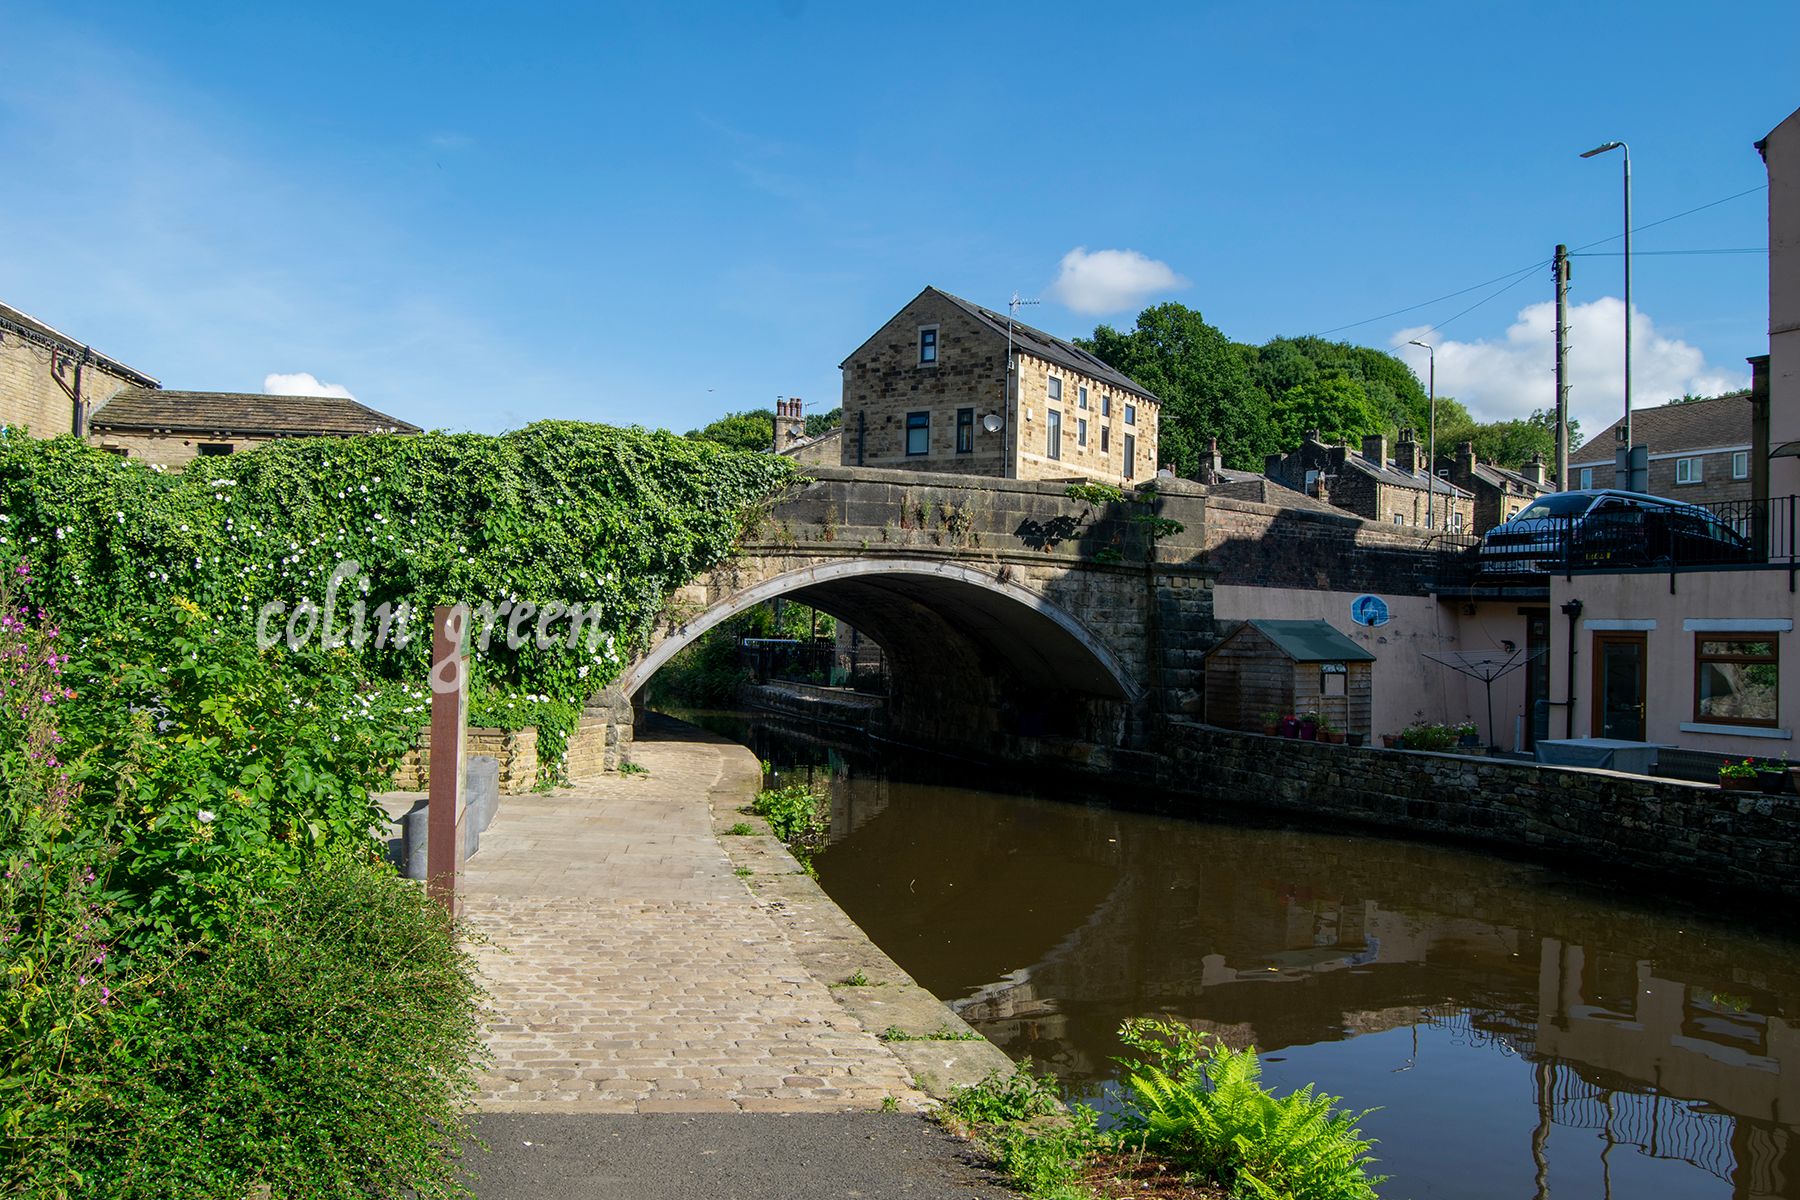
{"points": [[449, 718]]}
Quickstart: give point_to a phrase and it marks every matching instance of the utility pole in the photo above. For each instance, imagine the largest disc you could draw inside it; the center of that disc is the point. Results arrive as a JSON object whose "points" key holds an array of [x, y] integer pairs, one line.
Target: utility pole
{"points": [[1560, 269]]}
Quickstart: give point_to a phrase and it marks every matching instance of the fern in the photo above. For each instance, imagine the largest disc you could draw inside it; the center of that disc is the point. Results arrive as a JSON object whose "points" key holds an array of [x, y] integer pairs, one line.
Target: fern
{"points": [[1205, 1107]]}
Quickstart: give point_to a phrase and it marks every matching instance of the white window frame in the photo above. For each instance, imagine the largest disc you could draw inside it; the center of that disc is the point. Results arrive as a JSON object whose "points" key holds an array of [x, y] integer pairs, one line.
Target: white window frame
{"points": [[1587, 479], [1690, 470], [1740, 464], [936, 345], [1053, 389], [1131, 415], [1399, 518], [1106, 404]]}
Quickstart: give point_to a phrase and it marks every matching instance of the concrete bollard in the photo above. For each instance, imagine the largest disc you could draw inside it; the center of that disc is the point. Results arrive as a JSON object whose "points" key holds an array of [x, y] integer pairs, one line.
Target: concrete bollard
{"points": [[481, 796], [481, 788]]}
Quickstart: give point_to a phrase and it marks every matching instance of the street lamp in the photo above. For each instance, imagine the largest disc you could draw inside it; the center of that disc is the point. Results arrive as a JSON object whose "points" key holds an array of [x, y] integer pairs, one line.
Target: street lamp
{"points": [[1590, 154], [1431, 447]]}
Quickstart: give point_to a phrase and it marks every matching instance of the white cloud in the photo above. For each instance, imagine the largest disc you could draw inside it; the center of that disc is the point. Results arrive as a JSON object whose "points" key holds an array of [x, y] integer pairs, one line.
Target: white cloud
{"points": [[1505, 378], [302, 383], [1110, 281]]}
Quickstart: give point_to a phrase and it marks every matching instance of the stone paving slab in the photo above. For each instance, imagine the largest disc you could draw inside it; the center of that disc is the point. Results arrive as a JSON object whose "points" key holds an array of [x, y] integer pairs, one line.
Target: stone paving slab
{"points": [[630, 969]]}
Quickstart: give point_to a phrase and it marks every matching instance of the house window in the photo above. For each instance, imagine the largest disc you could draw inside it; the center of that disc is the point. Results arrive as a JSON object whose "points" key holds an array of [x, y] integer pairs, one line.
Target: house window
{"points": [[1740, 465], [1399, 518], [1736, 680], [1081, 397], [1053, 389], [1130, 456], [211, 448], [1081, 433], [1687, 470], [928, 345], [918, 433], [1456, 521], [1333, 679], [1105, 439], [965, 431], [1587, 478], [1053, 437], [1105, 405], [1131, 414]]}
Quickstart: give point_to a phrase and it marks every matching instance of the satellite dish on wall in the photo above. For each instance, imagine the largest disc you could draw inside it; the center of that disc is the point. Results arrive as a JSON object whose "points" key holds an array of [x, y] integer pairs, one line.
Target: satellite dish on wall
{"points": [[993, 422]]}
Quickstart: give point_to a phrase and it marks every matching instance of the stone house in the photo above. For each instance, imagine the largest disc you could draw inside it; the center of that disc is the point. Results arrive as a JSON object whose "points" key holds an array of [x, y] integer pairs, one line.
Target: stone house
{"points": [[947, 385], [174, 428], [49, 382], [1500, 493], [792, 440], [1699, 450], [1372, 485]]}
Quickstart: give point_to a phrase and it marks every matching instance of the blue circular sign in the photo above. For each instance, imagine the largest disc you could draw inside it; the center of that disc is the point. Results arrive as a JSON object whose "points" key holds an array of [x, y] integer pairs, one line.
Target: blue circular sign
{"points": [[1369, 610]]}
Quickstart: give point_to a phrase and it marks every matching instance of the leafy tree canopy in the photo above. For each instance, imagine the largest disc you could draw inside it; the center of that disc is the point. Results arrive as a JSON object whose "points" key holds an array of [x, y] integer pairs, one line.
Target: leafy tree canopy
{"points": [[825, 422], [751, 430]]}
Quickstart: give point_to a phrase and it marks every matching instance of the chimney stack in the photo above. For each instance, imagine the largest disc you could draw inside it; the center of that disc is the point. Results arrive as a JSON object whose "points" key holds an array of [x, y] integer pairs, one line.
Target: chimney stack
{"points": [[1533, 471], [1212, 463], [1375, 448], [1406, 453], [790, 422]]}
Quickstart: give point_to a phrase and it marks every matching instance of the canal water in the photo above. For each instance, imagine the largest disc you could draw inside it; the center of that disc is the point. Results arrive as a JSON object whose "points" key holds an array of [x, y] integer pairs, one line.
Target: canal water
{"points": [[1523, 1033]]}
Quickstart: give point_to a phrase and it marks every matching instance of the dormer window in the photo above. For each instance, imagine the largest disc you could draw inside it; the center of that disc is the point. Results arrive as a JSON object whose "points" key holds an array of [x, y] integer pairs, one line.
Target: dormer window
{"points": [[928, 345]]}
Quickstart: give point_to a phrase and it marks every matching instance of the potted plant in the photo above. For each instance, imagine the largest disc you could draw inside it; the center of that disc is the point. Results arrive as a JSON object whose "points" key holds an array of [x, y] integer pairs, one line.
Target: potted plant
{"points": [[1738, 775], [1353, 738], [1328, 732], [1467, 736], [1289, 726], [1309, 727], [1390, 740], [1271, 724], [1773, 777]]}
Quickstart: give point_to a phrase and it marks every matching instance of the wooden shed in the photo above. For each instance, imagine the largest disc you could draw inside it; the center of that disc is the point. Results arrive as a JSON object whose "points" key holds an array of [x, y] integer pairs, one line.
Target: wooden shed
{"points": [[1288, 667]]}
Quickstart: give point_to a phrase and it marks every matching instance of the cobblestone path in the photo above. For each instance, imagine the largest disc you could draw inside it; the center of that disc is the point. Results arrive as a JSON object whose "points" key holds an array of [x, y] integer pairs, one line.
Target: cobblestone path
{"points": [[630, 970]]}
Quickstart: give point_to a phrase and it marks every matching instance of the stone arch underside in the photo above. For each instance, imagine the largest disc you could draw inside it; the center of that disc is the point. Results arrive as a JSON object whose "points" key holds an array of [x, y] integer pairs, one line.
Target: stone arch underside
{"points": [[975, 661]]}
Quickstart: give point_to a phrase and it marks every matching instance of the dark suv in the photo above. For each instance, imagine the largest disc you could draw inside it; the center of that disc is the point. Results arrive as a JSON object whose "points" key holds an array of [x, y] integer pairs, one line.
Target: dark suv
{"points": [[1607, 528]]}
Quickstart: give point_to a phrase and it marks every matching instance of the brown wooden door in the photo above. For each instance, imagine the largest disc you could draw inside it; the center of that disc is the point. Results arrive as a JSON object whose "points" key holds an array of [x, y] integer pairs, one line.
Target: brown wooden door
{"points": [[1618, 695]]}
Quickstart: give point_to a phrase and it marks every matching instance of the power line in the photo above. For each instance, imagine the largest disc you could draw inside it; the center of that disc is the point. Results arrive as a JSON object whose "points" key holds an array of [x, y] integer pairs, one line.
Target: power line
{"points": [[1518, 276], [1641, 253], [1523, 276]]}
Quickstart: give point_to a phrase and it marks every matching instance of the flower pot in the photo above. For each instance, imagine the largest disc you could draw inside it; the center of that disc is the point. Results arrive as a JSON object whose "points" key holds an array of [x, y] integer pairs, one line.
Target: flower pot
{"points": [[1289, 727], [1773, 782], [1335, 737], [1390, 740], [1309, 732], [1271, 728], [1733, 783], [1469, 741], [1354, 739]]}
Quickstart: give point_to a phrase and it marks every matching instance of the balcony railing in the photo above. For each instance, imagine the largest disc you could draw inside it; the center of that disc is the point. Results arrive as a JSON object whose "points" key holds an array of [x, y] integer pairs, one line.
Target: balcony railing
{"points": [[1689, 537]]}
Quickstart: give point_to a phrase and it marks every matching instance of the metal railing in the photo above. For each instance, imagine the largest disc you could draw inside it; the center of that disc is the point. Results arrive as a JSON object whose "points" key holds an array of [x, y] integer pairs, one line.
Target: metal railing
{"points": [[1686, 537]]}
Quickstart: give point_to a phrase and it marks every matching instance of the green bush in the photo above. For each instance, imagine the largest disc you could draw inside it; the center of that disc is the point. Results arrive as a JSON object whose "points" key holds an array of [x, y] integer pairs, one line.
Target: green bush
{"points": [[324, 1044], [1021, 1096], [1205, 1108], [794, 813]]}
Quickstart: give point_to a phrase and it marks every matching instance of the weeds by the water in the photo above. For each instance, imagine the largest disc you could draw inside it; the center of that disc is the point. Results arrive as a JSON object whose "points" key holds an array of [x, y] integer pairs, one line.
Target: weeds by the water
{"points": [[893, 1033], [1198, 1122], [742, 829]]}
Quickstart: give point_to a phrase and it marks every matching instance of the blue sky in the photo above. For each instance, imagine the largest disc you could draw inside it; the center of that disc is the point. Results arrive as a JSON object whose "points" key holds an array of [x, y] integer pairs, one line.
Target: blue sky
{"points": [[472, 217]]}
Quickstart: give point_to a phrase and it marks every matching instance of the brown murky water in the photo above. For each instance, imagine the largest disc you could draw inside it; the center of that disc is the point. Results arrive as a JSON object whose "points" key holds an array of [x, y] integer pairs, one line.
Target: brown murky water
{"points": [[1523, 1034]]}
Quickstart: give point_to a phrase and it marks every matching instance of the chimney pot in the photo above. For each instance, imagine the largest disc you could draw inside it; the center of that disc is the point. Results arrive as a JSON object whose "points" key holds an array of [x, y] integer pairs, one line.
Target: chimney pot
{"points": [[1374, 448]]}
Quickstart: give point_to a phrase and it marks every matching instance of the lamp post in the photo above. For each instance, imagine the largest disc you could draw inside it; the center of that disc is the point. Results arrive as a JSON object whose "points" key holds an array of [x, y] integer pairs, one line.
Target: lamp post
{"points": [[1431, 445], [1609, 146]]}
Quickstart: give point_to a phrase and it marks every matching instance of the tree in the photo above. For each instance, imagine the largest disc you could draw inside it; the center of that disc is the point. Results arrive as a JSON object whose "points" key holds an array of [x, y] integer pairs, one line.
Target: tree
{"points": [[825, 422], [1509, 444], [1202, 379], [1338, 407], [752, 430]]}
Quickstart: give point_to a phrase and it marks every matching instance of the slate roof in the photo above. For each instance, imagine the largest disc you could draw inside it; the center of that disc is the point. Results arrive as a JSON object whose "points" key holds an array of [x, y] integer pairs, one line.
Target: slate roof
{"points": [[1310, 641], [1502, 477], [1695, 425], [147, 410], [1393, 476], [1043, 345], [20, 324]]}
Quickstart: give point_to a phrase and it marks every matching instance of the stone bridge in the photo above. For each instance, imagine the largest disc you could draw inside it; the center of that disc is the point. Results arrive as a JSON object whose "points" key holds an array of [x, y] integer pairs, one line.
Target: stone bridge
{"points": [[1016, 621]]}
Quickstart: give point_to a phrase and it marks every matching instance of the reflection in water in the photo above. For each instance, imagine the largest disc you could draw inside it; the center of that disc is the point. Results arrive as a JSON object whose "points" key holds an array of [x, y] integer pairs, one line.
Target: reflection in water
{"points": [[1524, 1035]]}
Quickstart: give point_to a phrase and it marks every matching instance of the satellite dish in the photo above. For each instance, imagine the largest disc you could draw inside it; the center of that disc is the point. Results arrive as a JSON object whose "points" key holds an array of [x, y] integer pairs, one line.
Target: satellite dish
{"points": [[992, 422]]}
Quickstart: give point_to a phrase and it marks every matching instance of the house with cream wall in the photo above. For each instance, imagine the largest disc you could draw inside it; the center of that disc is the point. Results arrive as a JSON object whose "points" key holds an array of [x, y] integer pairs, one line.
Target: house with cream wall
{"points": [[49, 382], [947, 385]]}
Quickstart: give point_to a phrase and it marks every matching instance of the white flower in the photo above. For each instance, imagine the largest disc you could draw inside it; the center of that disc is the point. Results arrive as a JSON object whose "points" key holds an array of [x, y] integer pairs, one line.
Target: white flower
{"points": [[205, 815]]}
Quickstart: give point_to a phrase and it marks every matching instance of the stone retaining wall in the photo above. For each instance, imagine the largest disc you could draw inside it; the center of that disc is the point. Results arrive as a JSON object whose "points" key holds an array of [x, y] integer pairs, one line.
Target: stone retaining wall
{"points": [[1697, 834], [515, 750]]}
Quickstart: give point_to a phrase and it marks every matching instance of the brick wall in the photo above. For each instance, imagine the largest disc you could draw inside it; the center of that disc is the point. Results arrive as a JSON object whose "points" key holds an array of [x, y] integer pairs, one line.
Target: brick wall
{"points": [[30, 396], [1650, 829], [171, 450], [516, 752]]}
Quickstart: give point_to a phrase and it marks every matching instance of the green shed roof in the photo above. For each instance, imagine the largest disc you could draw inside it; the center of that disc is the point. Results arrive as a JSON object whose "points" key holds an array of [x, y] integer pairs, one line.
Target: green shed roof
{"points": [[1312, 641]]}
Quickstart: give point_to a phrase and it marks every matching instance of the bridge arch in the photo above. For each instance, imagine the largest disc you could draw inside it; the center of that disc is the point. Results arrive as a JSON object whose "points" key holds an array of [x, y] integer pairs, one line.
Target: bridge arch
{"points": [[1102, 673], [975, 657]]}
